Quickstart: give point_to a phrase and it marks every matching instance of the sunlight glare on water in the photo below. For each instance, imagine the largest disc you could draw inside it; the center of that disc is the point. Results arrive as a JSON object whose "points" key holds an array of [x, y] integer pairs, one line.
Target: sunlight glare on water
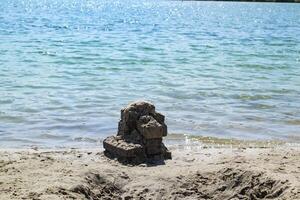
{"points": [[229, 70]]}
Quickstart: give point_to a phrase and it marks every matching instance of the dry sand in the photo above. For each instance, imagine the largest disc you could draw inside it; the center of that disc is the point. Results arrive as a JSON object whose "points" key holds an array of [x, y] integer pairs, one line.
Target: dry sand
{"points": [[210, 173]]}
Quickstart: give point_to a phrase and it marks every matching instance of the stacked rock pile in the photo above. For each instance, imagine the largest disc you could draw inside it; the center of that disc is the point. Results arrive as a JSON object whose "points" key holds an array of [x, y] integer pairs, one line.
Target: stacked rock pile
{"points": [[139, 137]]}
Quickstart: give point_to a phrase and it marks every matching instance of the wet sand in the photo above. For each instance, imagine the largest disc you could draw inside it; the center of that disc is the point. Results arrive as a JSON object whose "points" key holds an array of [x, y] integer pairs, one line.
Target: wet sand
{"points": [[203, 173]]}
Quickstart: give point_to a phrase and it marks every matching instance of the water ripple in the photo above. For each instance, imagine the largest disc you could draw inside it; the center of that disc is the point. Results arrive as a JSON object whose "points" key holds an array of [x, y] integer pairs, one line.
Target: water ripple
{"points": [[214, 68]]}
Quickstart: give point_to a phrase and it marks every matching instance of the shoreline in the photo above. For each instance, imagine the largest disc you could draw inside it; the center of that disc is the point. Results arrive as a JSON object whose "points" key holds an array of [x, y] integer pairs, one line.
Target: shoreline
{"points": [[176, 140], [193, 173]]}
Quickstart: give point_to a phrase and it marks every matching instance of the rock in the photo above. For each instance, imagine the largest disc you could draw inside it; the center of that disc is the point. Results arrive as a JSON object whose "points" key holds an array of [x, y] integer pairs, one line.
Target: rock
{"points": [[159, 117], [124, 151], [153, 146], [167, 153], [139, 137], [149, 127]]}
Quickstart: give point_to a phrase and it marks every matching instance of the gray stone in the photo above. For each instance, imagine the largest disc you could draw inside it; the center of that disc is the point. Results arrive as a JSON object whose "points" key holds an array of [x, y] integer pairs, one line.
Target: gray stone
{"points": [[165, 130], [153, 146], [149, 127], [125, 152], [139, 137], [166, 152], [159, 117]]}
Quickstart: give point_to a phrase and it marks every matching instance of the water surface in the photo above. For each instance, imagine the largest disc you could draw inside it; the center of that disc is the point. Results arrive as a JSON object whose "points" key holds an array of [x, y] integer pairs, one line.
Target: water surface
{"points": [[228, 70]]}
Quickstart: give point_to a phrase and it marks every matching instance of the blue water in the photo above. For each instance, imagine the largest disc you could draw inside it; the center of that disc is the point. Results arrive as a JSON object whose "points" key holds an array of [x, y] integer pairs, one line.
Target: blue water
{"points": [[230, 70]]}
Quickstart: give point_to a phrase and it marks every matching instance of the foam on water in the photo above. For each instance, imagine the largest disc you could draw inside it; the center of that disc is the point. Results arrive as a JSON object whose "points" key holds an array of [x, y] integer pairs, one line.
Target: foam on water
{"points": [[228, 70]]}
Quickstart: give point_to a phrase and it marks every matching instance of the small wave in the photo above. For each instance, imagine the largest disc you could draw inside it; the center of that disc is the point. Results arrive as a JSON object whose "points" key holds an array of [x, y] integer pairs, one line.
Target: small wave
{"points": [[12, 119], [253, 97], [181, 140], [295, 122], [86, 139], [51, 136], [19, 140], [6, 101]]}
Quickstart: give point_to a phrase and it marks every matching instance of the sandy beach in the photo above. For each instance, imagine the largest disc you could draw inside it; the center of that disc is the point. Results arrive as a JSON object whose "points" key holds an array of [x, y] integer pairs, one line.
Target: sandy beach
{"points": [[203, 173], [149, 100]]}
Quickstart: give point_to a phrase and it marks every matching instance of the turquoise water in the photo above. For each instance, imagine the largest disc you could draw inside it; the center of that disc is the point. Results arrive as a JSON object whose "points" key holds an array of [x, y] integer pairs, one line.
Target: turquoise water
{"points": [[230, 70]]}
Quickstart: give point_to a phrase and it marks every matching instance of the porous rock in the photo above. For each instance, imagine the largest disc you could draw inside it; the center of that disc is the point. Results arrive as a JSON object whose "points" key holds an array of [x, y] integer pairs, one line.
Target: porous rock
{"points": [[139, 137]]}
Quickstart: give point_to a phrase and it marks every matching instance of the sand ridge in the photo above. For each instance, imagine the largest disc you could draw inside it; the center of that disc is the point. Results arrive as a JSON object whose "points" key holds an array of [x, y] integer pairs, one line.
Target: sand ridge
{"points": [[212, 173]]}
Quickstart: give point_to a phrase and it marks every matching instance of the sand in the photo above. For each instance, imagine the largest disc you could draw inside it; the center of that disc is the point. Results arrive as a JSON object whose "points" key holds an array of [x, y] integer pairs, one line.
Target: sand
{"points": [[202, 173]]}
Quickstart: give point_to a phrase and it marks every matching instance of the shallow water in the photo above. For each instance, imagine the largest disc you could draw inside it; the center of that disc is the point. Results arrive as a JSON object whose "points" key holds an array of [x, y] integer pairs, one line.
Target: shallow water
{"points": [[229, 70]]}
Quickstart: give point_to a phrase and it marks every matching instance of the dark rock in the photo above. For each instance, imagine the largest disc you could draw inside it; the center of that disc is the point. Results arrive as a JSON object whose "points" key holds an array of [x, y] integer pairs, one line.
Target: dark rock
{"points": [[122, 148], [153, 146], [159, 117], [149, 127], [166, 152], [139, 138], [124, 151]]}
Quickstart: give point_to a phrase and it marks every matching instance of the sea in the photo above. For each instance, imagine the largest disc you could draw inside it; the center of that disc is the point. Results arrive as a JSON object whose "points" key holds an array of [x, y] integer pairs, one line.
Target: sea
{"points": [[214, 69]]}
